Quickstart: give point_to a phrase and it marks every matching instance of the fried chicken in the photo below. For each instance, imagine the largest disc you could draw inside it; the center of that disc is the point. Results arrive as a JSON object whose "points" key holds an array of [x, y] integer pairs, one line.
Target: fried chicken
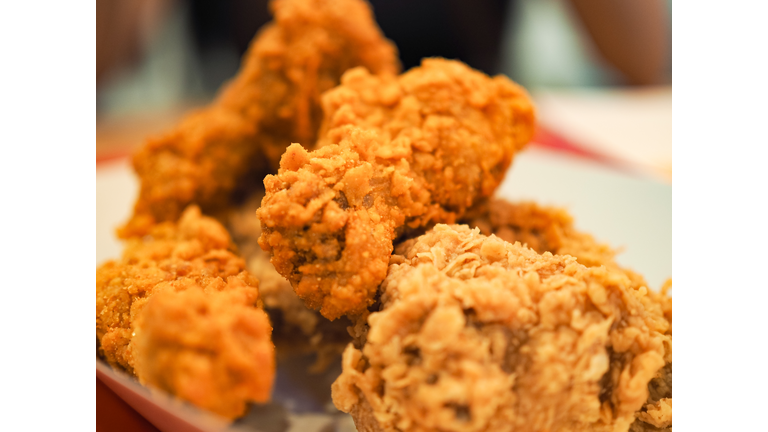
{"points": [[477, 334], [179, 311], [396, 154], [550, 229], [297, 329], [218, 152]]}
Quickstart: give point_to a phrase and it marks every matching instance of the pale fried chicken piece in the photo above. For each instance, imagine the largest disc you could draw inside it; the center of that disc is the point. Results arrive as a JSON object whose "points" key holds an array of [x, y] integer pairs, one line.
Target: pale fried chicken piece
{"points": [[297, 329], [179, 312], [218, 151], [396, 153], [550, 229], [477, 334]]}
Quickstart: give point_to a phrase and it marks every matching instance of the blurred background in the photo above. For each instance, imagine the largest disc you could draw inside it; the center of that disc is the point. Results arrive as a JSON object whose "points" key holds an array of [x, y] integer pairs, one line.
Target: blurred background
{"points": [[599, 70]]}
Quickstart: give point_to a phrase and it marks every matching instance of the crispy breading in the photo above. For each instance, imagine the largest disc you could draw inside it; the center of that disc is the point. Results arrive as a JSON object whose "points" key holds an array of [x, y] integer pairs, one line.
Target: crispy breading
{"points": [[297, 329], [220, 151], [550, 229], [477, 334], [395, 153], [457, 127], [180, 312]]}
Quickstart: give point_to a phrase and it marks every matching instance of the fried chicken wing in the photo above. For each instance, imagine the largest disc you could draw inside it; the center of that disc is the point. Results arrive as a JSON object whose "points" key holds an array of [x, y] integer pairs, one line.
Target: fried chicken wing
{"points": [[179, 312], [396, 153], [477, 334], [274, 100]]}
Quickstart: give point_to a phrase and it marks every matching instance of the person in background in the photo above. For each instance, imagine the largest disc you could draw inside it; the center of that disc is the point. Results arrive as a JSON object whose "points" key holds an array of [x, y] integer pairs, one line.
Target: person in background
{"points": [[187, 49]]}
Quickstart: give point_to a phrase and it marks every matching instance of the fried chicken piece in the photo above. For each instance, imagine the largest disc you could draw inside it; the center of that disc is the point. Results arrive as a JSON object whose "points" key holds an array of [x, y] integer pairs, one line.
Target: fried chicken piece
{"points": [[656, 415], [179, 312], [219, 151], [457, 127], [478, 334], [396, 153], [550, 229], [297, 329]]}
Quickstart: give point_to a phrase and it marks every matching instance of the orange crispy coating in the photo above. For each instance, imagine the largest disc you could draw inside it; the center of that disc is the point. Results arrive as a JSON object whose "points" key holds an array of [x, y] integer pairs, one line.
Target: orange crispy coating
{"points": [[274, 100], [210, 348], [397, 153], [478, 334], [179, 312]]}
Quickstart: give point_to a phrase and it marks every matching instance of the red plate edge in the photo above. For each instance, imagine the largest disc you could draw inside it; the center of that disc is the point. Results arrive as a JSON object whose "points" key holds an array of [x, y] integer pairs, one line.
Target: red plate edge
{"points": [[163, 411]]}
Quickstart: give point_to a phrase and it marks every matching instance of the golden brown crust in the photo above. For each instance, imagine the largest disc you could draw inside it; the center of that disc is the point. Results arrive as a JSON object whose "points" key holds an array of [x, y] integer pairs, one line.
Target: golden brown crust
{"points": [[179, 312], [457, 127], [333, 243], [273, 101], [396, 153], [478, 334]]}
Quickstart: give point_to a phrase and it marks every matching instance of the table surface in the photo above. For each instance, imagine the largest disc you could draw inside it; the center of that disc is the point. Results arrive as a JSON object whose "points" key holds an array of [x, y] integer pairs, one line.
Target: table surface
{"points": [[630, 130]]}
